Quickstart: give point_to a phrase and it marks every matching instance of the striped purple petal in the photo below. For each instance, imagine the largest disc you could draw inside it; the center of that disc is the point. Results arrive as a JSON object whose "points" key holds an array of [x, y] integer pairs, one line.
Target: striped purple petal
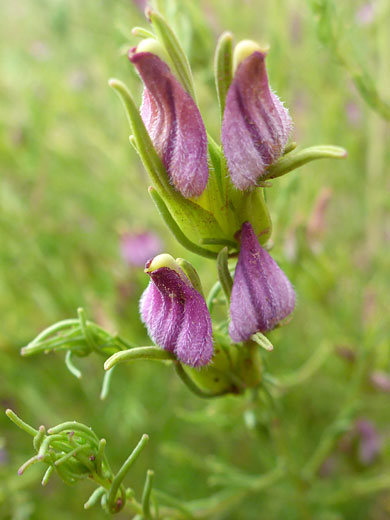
{"points": [[174, 124], [262, 295], [177, 317], [255, 125]]}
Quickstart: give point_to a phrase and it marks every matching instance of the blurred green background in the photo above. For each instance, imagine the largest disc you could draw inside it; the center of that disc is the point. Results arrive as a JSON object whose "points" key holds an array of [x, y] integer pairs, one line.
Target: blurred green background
{"points": [[71, 184]]}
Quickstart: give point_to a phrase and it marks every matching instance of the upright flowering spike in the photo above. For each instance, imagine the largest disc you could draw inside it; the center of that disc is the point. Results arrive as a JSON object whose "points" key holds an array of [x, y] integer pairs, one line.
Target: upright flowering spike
{"points": [[255, 125], [262, 295], [175, 314], [174, 124]]}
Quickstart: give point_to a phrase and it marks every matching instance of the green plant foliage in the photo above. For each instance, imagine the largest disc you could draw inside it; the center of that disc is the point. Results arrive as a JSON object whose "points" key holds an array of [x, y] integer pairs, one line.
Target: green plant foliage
{"points": [[70, 185]]}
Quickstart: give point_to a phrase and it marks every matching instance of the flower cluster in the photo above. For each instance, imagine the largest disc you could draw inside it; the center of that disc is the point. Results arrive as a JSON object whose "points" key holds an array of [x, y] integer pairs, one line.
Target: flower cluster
{"points": [[210, 195], [255, 125], [255, 130], [176, 314]]}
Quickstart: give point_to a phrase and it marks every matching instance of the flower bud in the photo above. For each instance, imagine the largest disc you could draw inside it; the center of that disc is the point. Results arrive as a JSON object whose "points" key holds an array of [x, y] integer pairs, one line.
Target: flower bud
{"points": [[255, 125], [262, 295], [176, 314], [174, 124]]}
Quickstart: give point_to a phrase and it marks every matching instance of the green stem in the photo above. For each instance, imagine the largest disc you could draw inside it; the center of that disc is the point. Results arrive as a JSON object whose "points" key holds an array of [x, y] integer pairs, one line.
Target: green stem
{"points": [[349, 491]]}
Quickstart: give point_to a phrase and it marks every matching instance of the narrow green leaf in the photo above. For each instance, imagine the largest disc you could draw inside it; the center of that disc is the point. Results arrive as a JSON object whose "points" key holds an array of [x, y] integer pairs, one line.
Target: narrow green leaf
{"points": [[151, 353], [70, 366], [223, 68], [216, 158], [106, 384], [93, 499], [175, 51], [145, 148], [47, 475], [21, 424], [224, 273], [118, 479], [294, 160], [146, 495], [37, 441], [141, 32], [191, 274]]}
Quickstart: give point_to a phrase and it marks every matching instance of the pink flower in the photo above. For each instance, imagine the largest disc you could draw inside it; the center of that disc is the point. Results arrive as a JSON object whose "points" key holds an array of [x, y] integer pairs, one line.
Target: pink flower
{"points": [[137, 247], [176, 316], [255, 125], [174, 124], [262, 295]]}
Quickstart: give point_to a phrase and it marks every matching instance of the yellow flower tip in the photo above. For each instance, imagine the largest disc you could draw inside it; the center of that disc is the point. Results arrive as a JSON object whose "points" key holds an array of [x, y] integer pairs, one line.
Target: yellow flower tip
{"points": [[163, 260], [154, 47], [244, 49]]}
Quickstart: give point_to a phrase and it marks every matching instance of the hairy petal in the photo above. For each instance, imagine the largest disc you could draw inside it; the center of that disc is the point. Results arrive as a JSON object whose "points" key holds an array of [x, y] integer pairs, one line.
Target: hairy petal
{"points": [[255, 126], [174, 124], [177, 318], [262, 295]]}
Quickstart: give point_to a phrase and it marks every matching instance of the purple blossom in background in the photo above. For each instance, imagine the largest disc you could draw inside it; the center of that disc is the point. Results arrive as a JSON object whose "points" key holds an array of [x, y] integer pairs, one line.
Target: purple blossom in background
{"points": [[137, 247], [177, 317], [262, 295], [365, 14], [381, 381], [369, 441], [174, 124], [40, 51], [3, 457], [141, 4], [255, 125], [354, 114]]}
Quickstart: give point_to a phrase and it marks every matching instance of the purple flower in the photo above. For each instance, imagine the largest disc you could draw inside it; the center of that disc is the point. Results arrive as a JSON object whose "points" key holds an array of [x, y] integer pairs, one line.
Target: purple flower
{"points": [[141, 4], [262, 295], [365, 14], [369, 441], [137, 247], [174, 124], [176, 314], [3, 456], [354, 114], [255, 125], [381, 380]]}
